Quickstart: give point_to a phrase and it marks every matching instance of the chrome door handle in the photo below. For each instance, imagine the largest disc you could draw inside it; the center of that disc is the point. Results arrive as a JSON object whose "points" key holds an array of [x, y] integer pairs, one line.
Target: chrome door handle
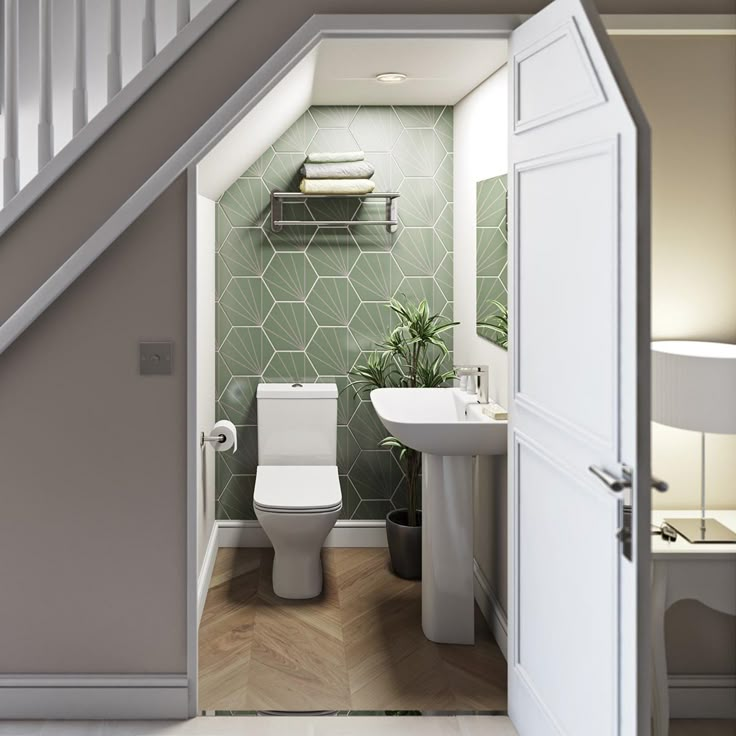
{"points": [[613, 483], [618, 484]]}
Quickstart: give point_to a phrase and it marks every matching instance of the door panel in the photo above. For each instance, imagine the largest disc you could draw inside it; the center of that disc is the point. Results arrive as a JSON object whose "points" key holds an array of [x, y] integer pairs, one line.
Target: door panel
{"points": [[545, 570], [579, 395], [540, 99]]}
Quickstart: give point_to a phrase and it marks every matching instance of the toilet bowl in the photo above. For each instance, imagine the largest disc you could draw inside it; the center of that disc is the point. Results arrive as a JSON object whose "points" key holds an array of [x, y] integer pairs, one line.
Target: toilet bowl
{"points": [[297, 506], [297, 497]]}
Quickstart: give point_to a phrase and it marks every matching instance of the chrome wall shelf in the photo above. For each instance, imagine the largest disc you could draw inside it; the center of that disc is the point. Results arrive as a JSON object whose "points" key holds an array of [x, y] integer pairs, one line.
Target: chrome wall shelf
{"points": [[278, 199]]}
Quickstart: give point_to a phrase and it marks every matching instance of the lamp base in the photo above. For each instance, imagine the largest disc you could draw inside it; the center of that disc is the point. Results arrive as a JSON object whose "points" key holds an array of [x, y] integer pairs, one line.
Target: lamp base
{"points": [[712, 533]]}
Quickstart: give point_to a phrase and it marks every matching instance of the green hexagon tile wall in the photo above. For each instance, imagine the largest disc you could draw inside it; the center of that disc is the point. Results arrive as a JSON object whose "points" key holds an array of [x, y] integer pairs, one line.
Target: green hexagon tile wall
{"points": [[303, 303]]}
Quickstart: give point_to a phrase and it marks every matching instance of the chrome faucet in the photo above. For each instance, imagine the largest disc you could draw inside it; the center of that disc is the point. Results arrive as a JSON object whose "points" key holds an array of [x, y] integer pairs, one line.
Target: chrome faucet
{"points": [[478, 374]]}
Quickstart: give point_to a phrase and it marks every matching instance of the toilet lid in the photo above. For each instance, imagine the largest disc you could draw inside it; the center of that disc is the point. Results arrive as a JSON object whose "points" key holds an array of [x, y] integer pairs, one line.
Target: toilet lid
{"points": [[297, 488]]}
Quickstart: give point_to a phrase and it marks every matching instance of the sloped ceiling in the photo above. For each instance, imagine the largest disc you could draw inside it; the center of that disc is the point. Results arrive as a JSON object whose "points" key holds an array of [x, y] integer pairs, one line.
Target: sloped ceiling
{"points": [[440, 71]]}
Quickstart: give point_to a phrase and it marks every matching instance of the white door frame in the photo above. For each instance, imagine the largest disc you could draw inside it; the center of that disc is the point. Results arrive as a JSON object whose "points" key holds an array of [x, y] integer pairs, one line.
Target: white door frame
{"points": [[316, 29]]}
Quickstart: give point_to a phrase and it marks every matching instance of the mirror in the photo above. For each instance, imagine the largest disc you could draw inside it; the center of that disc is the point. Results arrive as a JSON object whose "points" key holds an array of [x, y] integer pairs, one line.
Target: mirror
{"points": [[492, 260]]}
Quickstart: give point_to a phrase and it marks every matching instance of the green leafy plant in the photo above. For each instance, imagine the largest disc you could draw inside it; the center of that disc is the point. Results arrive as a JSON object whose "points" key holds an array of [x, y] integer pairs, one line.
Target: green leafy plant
{"points": [[412, 356], [498, 324]]}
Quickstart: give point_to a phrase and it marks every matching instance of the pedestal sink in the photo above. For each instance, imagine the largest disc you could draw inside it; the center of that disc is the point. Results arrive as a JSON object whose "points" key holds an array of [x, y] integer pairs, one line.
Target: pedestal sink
{"points": [[448, 427]]}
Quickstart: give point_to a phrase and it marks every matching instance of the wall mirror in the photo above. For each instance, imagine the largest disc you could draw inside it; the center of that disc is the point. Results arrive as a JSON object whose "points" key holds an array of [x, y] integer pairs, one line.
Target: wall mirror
{"points": [[492, 260]]}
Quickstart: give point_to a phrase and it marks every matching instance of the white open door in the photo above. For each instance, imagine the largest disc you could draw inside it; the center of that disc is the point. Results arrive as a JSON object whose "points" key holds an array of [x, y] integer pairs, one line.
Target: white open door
{"points": [[579, 308]]}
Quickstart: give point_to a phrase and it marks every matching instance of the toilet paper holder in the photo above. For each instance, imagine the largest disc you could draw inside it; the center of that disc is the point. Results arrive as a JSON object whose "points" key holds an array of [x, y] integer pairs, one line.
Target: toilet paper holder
{"points": [[213, 438]]}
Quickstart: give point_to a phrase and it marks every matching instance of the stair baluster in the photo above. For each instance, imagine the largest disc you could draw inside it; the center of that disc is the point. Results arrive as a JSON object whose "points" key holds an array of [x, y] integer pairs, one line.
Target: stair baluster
{"points": [[79, 95], [149, 32], [183, 13], [11, 168], [114, 71], [45, 100]]}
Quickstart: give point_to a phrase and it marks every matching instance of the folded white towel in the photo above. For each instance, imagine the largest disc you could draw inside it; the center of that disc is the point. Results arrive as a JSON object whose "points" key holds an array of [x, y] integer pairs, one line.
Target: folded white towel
{"points": [[341, 170], [328, 157], [337, 186]]}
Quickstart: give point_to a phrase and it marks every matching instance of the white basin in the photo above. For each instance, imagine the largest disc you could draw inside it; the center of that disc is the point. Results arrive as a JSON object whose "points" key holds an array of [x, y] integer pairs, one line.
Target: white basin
{"points": [[440, 421], [448, 427]]}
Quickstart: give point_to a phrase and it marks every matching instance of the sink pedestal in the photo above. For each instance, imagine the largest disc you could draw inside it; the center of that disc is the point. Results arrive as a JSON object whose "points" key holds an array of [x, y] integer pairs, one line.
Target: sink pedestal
{"points": [[447, 549]]}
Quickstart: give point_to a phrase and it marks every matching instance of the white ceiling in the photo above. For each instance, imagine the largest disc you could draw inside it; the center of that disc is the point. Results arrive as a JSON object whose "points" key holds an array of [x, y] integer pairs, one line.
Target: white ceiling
{"points": [[440, 71]]}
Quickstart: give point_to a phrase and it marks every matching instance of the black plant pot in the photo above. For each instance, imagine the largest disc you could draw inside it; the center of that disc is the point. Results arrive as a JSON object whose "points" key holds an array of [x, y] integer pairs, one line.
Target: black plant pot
{"points": [[405, 544]]}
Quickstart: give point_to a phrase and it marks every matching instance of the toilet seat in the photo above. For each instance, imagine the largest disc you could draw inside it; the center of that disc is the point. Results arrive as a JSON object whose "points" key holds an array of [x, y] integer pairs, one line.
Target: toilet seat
{"points": [[297, 489]]}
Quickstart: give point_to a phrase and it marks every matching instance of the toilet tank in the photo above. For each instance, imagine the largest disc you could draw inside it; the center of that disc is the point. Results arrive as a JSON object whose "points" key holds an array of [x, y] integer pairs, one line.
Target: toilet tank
{"points": [[297, 423]]}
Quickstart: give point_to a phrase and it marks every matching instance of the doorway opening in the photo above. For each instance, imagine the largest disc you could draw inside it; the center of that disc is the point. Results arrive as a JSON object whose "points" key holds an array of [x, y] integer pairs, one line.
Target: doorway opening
{"points": [[308, 303]]}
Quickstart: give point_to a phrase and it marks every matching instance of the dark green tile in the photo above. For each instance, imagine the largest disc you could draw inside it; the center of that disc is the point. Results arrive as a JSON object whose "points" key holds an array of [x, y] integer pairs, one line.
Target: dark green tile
{"points": [[333, 302], [375, 474], [246, 252], [238, 400], [416, 288], [332, 139], [333, 351], [259, 166], [347, 450], [367, 427], [246, 203], [491, 205], [290, 277], [372, 324], [290, 367], [376, 128], [282, 174], [333, 116], [290, 326], [236, 500], [421, 202], [246, 351], [419, 116], [376, 276], [491, 251], [418, 152], [333, 252], [246, 302], [372, 510], [298, 136], [292, 237], [245, 460], [418, 252]]}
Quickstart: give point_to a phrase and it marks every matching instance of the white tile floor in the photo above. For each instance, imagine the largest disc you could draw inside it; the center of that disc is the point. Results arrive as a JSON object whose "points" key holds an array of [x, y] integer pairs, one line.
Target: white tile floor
{"points": [[272, 726]]}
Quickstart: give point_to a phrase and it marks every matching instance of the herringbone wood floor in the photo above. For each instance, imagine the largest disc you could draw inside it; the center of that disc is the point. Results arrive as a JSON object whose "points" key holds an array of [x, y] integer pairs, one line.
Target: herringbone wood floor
{"points": [[359, 646]]}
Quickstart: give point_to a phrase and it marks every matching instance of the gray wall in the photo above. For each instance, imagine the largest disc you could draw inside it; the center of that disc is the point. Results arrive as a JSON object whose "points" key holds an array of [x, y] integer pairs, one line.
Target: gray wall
{"points": [[93, 523], [94, 470]]}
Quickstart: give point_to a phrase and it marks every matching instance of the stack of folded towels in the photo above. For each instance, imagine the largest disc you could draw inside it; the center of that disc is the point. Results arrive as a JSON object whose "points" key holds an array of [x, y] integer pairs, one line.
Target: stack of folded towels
{"points": [[337, 173]]}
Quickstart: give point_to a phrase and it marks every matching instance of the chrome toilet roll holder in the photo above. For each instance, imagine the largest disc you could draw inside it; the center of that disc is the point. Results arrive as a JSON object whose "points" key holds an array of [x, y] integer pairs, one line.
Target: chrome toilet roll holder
{"points": [[215, 439]]}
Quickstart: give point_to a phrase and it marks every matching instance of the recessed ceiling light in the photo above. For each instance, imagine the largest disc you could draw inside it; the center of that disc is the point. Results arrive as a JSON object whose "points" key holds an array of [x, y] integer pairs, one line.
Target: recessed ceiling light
{"points": [[391, 77]]}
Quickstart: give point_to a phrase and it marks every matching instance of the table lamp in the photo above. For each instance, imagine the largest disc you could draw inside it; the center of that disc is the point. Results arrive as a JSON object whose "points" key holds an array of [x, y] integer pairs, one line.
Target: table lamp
{"points": [[694, 387]]}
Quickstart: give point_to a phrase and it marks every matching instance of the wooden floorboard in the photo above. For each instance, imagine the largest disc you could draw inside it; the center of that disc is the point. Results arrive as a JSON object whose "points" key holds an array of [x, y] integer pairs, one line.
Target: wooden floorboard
{"points": [[358, 646]]}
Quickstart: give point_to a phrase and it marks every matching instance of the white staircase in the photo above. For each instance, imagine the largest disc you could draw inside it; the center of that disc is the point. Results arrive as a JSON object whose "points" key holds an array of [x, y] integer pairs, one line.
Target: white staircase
{"points": [[71, 68]]}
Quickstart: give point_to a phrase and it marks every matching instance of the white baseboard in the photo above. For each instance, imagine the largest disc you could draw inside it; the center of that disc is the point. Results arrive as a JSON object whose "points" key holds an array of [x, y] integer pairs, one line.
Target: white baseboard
{"points": [[346, 533], [702, 696], [490, 607], [205, 573], [93, 697]]}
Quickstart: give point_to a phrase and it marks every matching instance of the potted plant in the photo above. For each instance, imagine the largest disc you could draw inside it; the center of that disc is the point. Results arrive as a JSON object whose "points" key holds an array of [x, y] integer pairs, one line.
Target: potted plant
{"points": [[412, 356]]}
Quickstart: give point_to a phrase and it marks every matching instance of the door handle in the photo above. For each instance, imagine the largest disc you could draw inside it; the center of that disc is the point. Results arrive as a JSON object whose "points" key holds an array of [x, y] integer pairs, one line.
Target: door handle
{"points": [[659, 485], [613, 483], [619, 484]]}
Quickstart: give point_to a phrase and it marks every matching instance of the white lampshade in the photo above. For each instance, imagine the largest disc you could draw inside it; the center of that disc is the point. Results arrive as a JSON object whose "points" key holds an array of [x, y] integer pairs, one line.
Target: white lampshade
{"points": [[694, 385]]}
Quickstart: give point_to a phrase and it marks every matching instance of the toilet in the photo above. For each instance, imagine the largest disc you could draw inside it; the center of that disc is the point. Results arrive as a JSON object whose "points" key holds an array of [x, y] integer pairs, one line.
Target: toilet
{"points": [[297, 497]]}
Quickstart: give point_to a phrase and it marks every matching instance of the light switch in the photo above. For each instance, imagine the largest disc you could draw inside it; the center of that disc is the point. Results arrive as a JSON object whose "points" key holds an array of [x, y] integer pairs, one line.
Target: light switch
{"points": [[155, 358]]}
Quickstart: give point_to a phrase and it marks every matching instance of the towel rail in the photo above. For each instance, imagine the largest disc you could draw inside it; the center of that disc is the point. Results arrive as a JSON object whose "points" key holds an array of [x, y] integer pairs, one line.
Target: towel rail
{"points": [[278, 199]]}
